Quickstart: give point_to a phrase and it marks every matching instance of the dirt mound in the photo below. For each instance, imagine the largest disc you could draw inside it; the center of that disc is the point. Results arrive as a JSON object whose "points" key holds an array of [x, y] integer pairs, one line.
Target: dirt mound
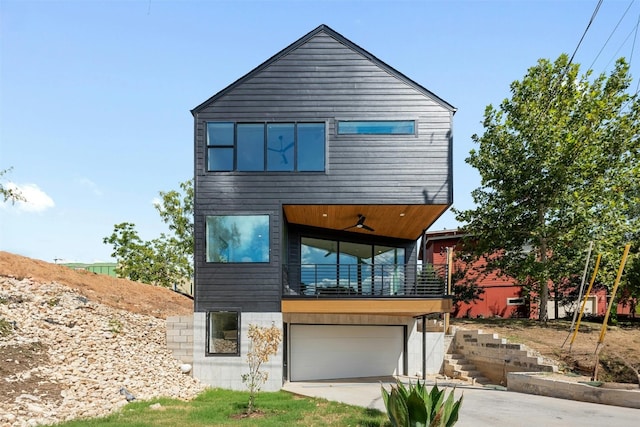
{"points": [[117, 293]]}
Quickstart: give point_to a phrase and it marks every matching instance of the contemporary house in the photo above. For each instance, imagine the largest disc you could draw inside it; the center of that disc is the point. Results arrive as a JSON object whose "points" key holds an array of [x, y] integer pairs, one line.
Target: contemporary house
{"points": [[315, 176]]}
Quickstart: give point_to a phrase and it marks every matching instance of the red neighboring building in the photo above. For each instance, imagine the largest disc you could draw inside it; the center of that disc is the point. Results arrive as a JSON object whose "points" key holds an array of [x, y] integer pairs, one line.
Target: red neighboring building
{"points": [[501, 297]]}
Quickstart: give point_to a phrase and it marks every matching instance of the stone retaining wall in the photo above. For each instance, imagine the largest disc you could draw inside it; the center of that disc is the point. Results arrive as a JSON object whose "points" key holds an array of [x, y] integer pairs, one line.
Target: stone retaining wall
{"points": [[542, 384], [494, 357]]}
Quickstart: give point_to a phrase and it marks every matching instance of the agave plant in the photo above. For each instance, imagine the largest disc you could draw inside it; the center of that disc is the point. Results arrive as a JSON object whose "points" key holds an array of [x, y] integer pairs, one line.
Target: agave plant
{"points": [[416, 406]]}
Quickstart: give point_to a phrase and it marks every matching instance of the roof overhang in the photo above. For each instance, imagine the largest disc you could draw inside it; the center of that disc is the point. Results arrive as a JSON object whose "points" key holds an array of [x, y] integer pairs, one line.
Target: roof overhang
{"points": [[396, 221]]}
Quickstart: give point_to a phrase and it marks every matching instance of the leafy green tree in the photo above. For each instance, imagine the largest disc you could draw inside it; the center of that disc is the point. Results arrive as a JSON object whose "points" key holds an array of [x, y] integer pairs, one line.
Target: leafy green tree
{"points": [[10, 193], [167, 259], [559, 166]]}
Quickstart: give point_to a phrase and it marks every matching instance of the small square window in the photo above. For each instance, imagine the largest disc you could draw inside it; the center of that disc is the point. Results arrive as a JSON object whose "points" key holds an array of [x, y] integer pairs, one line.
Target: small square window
{"points": [[223, 333]]}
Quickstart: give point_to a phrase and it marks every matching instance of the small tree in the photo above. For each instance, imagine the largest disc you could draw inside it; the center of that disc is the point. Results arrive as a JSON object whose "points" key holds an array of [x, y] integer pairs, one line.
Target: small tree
{"points": [[263, 343]]}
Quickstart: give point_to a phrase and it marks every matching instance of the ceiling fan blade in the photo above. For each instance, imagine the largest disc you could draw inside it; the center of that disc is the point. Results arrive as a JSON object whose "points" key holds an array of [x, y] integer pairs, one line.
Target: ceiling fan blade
{"points": [[366, 227]]}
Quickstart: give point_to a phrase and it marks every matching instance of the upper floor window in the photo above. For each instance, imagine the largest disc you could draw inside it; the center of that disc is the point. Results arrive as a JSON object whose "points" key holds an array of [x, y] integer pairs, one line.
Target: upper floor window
{"points": [[253, 147], [237, 238], [376, 127]]}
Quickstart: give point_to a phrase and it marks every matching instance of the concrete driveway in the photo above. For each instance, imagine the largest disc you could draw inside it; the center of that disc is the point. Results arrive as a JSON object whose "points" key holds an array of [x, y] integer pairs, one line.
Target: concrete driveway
{"points": [[481, 407]]}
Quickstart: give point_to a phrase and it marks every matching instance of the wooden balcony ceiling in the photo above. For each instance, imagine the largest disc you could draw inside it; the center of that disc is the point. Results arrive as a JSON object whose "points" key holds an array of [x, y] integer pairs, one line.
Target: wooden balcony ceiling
{"points": [[400, 221]]}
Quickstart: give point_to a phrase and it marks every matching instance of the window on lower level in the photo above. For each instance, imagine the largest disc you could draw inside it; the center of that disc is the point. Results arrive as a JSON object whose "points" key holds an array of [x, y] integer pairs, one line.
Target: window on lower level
{"points": [[278, 147], [237, 238], [515, 301], [223, 333], [376, 127]]}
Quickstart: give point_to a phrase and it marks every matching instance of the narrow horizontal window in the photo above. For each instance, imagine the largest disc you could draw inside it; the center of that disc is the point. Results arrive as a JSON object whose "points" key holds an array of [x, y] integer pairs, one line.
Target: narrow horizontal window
{"points": [[377, 127], [515, 301], [223, 333], [237, 238]]}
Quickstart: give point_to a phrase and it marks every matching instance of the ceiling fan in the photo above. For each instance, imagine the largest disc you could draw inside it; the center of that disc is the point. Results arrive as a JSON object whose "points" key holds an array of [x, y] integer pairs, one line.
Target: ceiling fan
{"points": [[282, 150], [360, 224]]}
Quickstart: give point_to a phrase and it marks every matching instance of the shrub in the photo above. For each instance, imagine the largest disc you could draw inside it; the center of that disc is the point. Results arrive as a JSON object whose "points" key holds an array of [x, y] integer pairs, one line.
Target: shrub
{"points": [[416, 406]]}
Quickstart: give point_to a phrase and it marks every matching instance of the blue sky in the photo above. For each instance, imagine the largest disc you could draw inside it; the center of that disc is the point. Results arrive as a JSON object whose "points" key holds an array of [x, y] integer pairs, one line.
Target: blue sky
{"points": [[95, 95]]}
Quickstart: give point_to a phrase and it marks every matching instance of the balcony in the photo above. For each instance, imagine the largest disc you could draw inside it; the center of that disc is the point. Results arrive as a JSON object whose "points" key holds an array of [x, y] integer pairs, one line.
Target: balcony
{"points": [[335, 281]]}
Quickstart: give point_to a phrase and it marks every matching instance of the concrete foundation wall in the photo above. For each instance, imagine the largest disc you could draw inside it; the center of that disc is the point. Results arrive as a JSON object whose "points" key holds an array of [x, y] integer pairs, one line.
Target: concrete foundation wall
{"points": [[226, 371], [180, 338], [494, 357]]}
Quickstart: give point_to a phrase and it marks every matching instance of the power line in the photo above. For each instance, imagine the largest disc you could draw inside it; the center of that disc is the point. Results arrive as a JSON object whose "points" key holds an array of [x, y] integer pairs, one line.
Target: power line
{"points": [[612, 33], [593, 17]]}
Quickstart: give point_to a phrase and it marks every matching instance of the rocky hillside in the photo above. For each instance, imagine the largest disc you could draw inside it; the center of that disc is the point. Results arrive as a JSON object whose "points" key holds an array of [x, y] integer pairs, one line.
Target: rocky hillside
{"points": [[69, 346]]}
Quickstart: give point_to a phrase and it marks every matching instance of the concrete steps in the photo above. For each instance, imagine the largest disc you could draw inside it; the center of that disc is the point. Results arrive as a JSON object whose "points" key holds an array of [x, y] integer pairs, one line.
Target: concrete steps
{"points": [[456, 366]]}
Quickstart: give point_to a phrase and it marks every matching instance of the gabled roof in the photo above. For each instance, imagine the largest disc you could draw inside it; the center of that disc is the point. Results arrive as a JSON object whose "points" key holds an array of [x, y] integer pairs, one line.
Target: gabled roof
{"points": [[338, 37]]}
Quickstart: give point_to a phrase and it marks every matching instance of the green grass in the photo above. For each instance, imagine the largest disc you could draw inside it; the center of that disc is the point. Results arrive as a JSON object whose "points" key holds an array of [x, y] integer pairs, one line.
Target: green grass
{"points": [[217, 407]]}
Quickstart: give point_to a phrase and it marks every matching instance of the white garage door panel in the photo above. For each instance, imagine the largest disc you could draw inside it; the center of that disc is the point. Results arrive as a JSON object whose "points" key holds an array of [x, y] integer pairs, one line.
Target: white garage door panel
{"points": [[330, 351]]}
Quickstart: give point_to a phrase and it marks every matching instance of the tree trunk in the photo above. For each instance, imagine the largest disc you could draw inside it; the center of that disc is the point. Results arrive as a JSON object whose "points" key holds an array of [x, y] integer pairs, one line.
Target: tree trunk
{"points": [[543, 279]]}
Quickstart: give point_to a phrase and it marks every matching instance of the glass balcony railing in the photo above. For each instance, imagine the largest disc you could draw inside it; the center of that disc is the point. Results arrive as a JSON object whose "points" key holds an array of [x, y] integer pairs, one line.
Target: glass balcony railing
{"points": [[364, 280]]}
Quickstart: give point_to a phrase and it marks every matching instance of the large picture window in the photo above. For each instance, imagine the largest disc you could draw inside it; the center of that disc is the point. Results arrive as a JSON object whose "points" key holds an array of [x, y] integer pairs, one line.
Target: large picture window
{"points": [[223, 333], [237, 238], [255, 147]]}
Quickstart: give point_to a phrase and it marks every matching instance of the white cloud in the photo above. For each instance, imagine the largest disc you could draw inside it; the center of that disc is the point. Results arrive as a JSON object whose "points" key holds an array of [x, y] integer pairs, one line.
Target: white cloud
{"points": [[87, 183], [36, 199]]}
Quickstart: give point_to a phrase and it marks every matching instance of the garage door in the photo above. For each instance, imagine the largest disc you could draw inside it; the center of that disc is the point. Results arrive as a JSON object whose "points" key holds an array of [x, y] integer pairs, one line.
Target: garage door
{"points": [[330, 351]]}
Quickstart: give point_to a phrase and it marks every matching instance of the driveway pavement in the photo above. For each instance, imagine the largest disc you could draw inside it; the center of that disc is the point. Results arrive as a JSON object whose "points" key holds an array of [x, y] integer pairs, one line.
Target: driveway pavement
{"points": [[481, 407]]}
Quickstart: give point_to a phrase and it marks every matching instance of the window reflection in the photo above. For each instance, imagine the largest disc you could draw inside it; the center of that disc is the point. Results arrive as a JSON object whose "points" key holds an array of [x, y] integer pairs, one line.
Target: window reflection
{"points": [[251, 147], [377, 127], [254, 147], [330, 266], [223, 327], [311, 147], [280, 147], [237, 238]]}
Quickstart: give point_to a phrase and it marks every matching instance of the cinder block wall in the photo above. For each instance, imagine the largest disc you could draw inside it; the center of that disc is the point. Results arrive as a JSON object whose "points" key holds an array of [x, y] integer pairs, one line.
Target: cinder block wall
{"points": [[494, 357], [180, 337]]}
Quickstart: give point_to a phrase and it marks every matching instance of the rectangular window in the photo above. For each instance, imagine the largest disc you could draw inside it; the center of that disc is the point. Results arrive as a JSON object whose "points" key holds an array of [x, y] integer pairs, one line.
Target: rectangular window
{"points": [[237, 238], [259, 147], [377, 127], [220, 141], [223, 333], [515, 301], [250, 147], [311, 145], [280, 146], [350, 267]]}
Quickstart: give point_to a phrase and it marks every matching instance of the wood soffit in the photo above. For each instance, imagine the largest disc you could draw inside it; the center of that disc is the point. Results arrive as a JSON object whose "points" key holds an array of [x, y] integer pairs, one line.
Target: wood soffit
{"points": [[397, 221]]}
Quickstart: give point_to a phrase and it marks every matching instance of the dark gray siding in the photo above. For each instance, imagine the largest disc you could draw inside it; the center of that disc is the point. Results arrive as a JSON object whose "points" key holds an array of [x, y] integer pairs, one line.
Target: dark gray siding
{"points": [[320, 80]]}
